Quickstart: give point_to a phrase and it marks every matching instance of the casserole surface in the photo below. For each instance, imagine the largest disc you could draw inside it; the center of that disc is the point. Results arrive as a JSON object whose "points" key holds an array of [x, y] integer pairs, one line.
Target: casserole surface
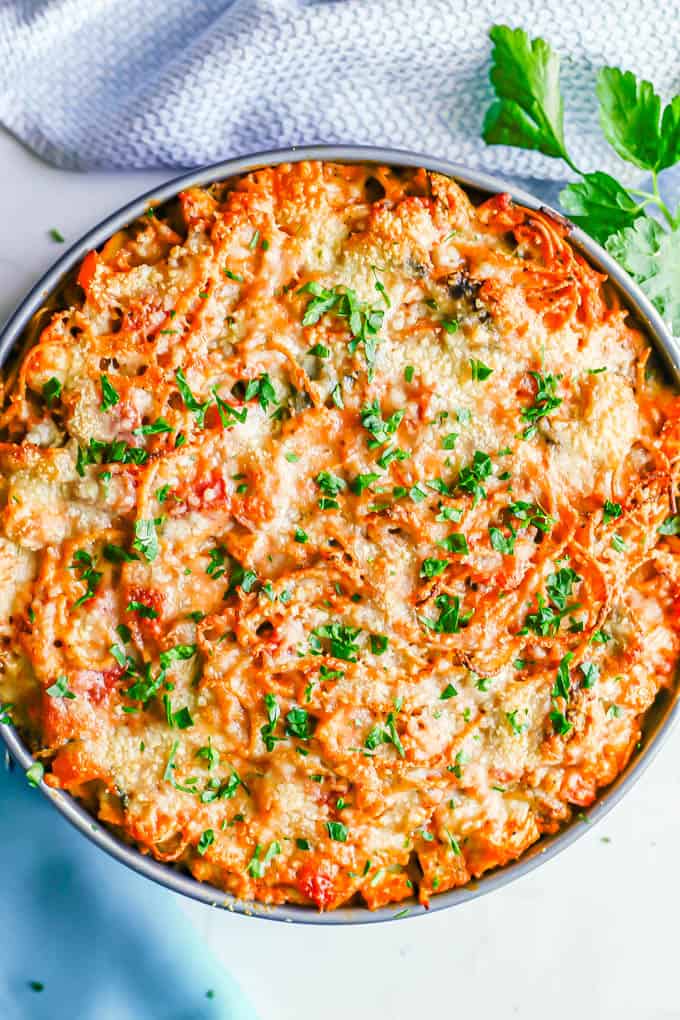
{"points": [[418, 649]]}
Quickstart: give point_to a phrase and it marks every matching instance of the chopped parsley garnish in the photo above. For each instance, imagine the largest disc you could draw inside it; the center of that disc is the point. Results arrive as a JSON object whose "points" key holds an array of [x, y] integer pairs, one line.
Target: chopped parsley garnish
{"points": [[154, 428], [319, 351], [84, 565], [232, 275], [207, 839], [670, 526], [561, 724], [408, 373], [341, 638], [517, 728], [362, 482], [331, 486], [240, 577], [560, 584], [363, 321], [217, 565], [433, 568], [453, 843], [116, 554], [35, 773], [303, 844], [617, 543], [337, 831], [472, 475], [301, 536], [197, 408], [117, 452], [181, 719], [448, 442], [146, 540], [273, 712], [479, 370], [456, 542], [227, 412], [60, 688], [450, 618], [545, 401], [298, 723], [380, 429], [591, 673], [610, 511], [533, 515], [448, 692], [263, 389], [503, 543], [109, 395], [56, 235], [378, 643], [258, 864], [51, 391]]}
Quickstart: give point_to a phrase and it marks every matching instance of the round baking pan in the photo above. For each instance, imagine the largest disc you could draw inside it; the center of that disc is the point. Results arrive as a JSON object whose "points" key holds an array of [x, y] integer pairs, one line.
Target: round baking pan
{"points": [[659, 718]]}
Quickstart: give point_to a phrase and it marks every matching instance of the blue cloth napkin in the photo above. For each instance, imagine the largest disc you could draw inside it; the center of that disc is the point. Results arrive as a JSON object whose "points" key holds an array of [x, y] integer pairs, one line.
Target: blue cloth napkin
{"points": [[184, 82], [84, 938]]}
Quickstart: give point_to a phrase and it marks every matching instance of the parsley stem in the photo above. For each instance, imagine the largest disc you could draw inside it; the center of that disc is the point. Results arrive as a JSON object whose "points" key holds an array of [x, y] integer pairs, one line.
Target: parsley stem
{"points": [[654, 199]]}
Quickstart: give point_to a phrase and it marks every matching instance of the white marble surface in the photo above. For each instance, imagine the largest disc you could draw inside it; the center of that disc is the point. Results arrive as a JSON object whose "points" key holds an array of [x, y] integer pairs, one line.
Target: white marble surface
{"points": [[591, 934]]}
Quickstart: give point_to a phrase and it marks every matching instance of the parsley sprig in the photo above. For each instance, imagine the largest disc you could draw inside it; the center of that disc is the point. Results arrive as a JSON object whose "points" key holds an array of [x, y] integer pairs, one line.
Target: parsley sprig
{"points": [[529, 113]]}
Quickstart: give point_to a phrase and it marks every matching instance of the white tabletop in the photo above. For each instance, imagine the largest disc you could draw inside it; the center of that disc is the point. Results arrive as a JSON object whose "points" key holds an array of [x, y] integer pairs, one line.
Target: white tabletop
{"points": [[592, 934]]}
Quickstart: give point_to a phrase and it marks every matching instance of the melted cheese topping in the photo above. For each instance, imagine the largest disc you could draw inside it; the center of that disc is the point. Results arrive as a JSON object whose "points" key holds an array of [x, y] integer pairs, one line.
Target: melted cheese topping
{"points": [[338, 536]]}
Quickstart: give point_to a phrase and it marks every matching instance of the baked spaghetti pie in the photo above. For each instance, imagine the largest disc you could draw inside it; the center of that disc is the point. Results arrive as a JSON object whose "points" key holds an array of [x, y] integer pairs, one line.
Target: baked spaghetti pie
{"points": [[338, 538]]}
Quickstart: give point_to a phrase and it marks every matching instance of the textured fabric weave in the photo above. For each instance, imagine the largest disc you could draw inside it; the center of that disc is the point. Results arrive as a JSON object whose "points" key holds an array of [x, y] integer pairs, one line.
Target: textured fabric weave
{"points": [[139, 83]]}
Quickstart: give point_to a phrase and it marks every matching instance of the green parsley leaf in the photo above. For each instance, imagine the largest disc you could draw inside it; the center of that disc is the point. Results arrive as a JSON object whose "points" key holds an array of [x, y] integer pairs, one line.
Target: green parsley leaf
{"points": [[503, 543], [298, 723], [450, 618], [35, 773], [590, 672], [197, 408], [109, 396], [301, 536], [146, 540], [273, 712], [652, 257], [56, 235], [116, 554], [600, 205], [545, 401], [362, 482], [51, 391], [533, 515], [337, 831], [154, 428], [258, 864], [670, 526], [433, 568], [479, 370], [378, 643], [448, 692], [60, 688], [529, 110], [631, 118], [207, 839], [456, 542], [610, 511], [341, 637]]}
